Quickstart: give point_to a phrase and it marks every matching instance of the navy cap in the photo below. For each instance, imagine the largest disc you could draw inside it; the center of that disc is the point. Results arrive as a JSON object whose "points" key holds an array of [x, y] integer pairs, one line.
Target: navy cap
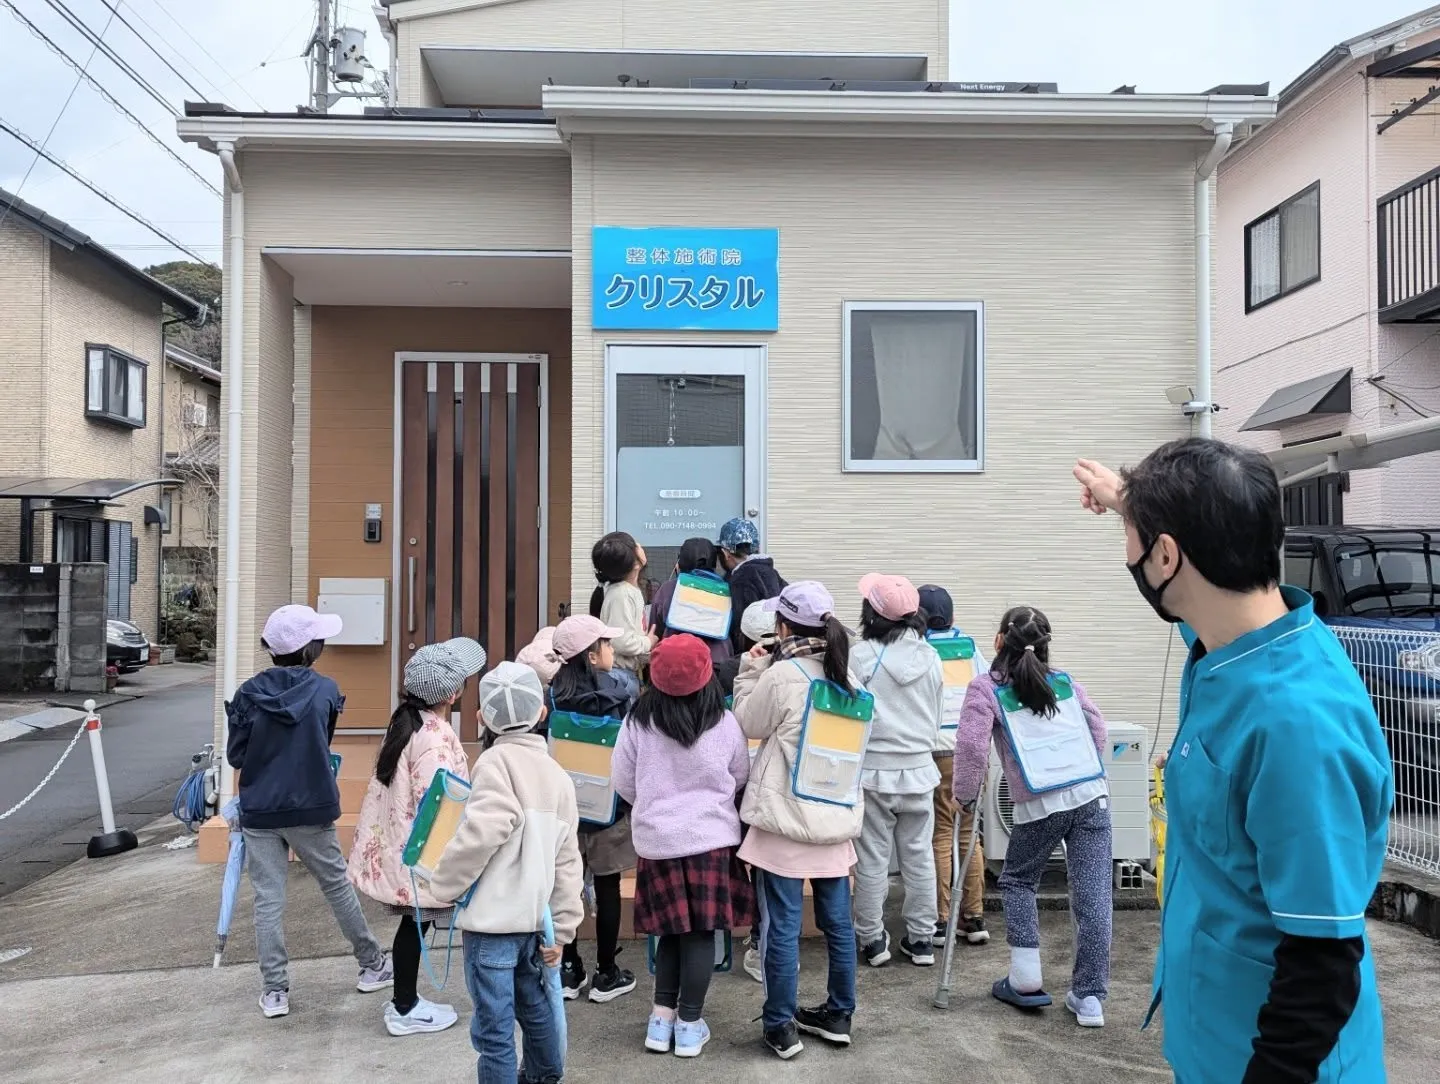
{"points": [[938, 606]]}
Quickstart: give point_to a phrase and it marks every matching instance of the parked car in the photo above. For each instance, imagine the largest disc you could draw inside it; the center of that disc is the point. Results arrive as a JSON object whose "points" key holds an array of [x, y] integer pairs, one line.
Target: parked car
{"points": [[126, 648], [1385, 580]]}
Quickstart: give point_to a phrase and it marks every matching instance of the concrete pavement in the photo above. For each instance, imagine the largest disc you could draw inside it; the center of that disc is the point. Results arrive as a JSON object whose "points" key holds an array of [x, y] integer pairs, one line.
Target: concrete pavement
{"points": [[148, 745], [117, 985]]}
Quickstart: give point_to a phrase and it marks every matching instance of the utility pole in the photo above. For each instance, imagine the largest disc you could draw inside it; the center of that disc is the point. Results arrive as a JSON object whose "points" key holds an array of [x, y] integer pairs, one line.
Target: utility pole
{"points": [[320, 51]]}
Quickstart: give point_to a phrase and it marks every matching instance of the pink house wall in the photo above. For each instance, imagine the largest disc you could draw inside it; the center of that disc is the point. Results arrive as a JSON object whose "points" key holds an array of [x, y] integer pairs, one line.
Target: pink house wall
{"points": [[1328, 135]]}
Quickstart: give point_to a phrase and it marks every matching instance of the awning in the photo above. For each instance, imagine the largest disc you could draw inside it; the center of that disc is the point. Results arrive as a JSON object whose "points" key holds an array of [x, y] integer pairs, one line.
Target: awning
{"points": [[1328, 394], [1356, 451], [25, 488]]}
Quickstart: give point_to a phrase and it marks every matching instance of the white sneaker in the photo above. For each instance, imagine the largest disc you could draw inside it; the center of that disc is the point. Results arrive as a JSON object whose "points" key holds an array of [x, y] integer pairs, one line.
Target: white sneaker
{"points": [[275, 1003], [1087, 1010], [424, 1018], [754, 966]]}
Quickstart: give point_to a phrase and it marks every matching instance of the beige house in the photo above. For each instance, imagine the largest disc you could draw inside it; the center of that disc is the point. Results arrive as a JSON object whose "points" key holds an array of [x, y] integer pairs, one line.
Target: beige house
{"points": [[1328, 283], [81, 334], [648, 266], [191, 531]]}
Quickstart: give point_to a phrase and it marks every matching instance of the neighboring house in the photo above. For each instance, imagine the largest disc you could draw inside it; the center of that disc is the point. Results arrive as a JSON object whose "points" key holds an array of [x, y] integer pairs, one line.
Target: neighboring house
{"points": [[1328, 283], [191, 531], [877, 312], [81, 332]]}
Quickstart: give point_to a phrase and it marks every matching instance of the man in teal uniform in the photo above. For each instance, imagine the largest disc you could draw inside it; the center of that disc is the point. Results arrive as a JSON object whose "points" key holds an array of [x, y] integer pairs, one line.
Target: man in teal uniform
{"points": [[1278, 785]]}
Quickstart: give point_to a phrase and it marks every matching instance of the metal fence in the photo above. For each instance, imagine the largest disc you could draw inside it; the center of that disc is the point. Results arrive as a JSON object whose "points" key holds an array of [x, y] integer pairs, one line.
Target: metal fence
{"points": [[1401, 670]]}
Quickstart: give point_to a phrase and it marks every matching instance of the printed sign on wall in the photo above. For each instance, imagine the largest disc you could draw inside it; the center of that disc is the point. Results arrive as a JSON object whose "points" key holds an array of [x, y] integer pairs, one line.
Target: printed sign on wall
{"points": [[682, 279], [666, 495]]}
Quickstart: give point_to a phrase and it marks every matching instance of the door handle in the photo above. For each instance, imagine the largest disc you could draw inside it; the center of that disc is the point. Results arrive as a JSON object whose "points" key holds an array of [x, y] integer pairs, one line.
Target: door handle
{"points": [[411, 611]]}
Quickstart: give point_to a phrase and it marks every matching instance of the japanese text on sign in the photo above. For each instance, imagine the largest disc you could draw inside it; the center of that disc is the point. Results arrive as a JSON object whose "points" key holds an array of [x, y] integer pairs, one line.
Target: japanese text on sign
{"points": [[683, 279]]}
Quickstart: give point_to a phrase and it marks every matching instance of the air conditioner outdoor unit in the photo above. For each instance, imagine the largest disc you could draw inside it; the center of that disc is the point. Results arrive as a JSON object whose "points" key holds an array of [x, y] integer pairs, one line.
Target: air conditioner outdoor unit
{"points": [[1128, 773], [195, 415]]}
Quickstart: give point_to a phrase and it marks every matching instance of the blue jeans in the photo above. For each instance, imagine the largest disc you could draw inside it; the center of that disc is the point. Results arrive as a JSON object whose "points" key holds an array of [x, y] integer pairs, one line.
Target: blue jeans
{"points": [[508, 983], [782, 901]]}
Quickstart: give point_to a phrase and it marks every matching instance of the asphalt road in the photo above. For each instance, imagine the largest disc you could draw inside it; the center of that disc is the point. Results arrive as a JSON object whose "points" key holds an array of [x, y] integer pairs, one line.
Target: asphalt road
{"points": [[148, 745]]}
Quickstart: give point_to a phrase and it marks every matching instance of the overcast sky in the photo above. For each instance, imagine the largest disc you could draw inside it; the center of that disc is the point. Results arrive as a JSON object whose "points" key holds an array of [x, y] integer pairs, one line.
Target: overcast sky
{"points": [[247, 53]]}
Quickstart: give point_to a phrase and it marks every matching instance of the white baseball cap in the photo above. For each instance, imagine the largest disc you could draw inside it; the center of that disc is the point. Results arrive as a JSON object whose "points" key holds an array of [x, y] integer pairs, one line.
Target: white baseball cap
{"points": [[757, 623], [290, 628], [511, 698]]}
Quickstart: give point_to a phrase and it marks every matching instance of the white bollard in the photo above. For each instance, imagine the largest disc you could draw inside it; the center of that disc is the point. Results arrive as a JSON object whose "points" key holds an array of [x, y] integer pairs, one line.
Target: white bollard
{"points": [[110, 841]]}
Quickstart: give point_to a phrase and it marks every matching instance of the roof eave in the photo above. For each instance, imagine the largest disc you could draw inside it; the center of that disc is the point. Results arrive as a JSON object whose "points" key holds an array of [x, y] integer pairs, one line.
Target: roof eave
{"points": [[310, 134], [1371, 41], [590, 109]]}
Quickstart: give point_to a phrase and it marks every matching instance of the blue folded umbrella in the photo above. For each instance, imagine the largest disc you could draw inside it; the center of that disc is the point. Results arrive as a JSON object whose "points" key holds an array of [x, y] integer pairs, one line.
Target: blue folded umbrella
{"points": [[230, 886]]}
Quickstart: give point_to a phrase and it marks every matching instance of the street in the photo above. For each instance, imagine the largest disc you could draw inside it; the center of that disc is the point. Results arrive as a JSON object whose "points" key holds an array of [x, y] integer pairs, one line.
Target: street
{"points": [[148, 745]]}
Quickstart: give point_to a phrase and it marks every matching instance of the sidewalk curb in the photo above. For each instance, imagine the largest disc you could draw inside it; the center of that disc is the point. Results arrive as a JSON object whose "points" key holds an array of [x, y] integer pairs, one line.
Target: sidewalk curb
{"points": [[1408, 897], [45, 719]]}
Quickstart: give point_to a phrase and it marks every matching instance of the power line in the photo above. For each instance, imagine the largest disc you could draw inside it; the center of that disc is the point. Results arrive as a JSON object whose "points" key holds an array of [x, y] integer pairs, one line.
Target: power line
{"points": [[146, 42], [234, 79], [182, 54], [40, 150], [100, 89], [110, 54]]}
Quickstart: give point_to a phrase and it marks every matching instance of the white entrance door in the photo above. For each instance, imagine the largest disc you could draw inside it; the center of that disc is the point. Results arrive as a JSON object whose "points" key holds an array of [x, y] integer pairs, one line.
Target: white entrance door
{"points": [[684, 443]]}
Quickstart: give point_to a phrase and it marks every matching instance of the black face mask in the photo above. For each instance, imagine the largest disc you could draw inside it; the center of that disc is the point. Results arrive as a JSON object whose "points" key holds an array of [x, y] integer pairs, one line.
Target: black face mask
{"points": [[1154, 595]]}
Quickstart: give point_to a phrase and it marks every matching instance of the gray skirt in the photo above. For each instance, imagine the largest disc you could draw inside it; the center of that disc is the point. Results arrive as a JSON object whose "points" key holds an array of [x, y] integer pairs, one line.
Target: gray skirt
{"points": [[427, 914]]}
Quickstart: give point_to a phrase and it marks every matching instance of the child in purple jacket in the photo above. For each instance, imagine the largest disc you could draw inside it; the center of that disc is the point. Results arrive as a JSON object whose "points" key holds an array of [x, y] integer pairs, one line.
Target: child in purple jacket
{"points": [[680, 761], [1051, 740]]}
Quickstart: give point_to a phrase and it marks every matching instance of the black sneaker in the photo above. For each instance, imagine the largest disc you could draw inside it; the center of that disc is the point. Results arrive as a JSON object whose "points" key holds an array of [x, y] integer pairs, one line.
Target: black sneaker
{"points": [[942, 929], [572, 980], [608, 985], [785, 1041], [826, 1023], [974, 930], [877, 952], [921, 953]]}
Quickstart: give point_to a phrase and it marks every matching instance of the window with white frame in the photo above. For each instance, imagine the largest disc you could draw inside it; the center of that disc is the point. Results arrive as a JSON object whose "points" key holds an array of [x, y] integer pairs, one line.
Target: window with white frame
{"points": [[1282, 249], [115, 386], [914, 386]]}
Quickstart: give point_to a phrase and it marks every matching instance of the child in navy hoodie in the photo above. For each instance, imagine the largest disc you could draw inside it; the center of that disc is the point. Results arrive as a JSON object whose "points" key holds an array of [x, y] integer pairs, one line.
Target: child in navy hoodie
{"points": [[281, 724]]}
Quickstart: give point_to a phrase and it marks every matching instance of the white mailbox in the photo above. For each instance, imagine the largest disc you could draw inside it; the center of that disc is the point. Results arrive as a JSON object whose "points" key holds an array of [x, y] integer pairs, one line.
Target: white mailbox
{"points": [[360, 604]]}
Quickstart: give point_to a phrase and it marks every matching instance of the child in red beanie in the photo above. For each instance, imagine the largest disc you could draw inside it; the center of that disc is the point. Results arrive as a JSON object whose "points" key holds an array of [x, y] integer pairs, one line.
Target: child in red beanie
{"points": [[680, 761]]}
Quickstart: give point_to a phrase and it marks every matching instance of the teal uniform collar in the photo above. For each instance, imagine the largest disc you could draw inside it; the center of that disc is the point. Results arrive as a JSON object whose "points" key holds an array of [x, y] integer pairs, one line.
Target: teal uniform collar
{"points": [[1300, 618]]}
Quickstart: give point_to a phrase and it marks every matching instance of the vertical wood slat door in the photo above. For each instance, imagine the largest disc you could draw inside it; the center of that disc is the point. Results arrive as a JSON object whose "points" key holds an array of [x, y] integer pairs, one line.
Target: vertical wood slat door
{"points": [[470, 509]]}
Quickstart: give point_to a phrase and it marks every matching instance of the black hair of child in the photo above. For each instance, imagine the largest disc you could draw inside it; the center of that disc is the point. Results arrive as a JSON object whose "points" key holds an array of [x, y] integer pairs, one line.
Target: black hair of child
{"points": [[1023, 661], [873, 626], [405, 721], [681, 718], [306, 656], [613, 558], [575, 677], [837, 647]]}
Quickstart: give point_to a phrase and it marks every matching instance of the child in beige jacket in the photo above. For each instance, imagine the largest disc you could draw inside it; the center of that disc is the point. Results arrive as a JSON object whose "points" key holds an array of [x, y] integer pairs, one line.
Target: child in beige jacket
{"points": [[517, 846]]}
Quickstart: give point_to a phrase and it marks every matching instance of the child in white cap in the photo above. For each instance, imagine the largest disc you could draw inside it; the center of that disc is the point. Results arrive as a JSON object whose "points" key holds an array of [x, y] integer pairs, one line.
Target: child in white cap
{"points": [[281, 723], [517, 846], [418, 743]]}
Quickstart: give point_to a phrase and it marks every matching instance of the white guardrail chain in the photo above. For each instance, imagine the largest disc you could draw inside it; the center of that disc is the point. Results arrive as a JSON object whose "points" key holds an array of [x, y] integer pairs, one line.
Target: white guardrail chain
{"points": [[49, 776]]}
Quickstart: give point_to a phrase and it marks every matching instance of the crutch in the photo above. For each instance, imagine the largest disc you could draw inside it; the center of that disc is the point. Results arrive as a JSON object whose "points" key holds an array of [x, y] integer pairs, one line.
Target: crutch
{"points": [[957, 883]]}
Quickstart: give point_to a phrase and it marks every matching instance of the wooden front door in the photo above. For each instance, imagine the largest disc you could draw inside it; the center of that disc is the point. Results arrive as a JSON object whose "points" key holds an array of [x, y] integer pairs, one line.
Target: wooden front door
{"points": [[472, 506]]}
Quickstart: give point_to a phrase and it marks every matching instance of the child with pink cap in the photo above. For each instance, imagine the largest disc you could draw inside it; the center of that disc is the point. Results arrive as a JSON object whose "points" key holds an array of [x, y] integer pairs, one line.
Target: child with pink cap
{"points": [[905, 675]]}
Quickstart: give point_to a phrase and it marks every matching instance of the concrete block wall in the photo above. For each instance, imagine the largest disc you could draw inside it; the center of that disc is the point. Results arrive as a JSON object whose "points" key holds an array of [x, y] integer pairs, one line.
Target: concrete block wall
{"points": [[58, 612]]}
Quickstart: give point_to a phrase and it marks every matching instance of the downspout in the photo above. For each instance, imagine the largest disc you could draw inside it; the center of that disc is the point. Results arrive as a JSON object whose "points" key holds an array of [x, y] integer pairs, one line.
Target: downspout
{"points": [[165, 326], [234, 417], [391, 36], [1224, 133]]}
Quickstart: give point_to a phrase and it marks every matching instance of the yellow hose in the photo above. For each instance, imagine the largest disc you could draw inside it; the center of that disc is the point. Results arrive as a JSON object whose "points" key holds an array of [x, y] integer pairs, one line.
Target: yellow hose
{"points": [[1158, 821]]}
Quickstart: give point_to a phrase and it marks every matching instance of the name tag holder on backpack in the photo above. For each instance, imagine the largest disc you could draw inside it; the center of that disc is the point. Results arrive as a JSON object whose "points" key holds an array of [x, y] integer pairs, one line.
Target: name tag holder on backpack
{"points": [[700, 606], [584, 745], [833, 735], [957, 664], [1053, 751]]}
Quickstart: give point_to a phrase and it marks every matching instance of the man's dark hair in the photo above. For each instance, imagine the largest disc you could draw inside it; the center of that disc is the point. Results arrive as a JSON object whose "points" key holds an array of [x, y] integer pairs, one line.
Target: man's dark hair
{"points": [[1221, 504]]}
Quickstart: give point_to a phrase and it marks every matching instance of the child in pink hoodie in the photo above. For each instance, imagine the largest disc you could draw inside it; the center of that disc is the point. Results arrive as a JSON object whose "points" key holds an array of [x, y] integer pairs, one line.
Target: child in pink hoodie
{"points": [[681, 760], [419, 742]]}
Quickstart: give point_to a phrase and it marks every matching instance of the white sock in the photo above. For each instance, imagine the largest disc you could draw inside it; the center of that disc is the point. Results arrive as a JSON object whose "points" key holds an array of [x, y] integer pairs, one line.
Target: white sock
{"points": [[1025, 970]]}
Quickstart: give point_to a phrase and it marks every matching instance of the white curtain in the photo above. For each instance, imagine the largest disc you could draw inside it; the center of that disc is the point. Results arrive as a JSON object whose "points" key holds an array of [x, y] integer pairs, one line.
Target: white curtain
{"points": [[1264, 260], [924, 374], [1300, 228]]}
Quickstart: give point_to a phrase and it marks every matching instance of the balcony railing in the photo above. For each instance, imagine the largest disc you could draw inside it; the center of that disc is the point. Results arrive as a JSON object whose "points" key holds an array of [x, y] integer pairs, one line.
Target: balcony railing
{"points": [[1408, 251]]}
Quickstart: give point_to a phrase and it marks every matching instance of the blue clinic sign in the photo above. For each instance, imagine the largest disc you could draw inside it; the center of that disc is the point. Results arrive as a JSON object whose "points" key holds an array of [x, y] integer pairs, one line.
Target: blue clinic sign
{"points": [[682, 279]]}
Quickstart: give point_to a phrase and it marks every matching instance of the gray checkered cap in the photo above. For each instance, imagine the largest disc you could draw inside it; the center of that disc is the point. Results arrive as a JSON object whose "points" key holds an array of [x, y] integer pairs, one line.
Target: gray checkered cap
{"points": [[511, 698], [437, 672]]}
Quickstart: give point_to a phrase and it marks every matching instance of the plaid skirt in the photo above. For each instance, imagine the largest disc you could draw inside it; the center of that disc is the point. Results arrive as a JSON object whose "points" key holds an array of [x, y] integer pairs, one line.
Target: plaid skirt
{"points": [[700, 892]]}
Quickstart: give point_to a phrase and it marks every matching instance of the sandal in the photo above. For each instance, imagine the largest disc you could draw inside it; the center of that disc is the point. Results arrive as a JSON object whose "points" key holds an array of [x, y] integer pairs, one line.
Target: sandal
{"points": [[1003, 991]]}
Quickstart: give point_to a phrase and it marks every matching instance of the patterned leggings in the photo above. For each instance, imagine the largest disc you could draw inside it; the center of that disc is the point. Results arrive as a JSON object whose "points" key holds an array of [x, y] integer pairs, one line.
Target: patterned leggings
{"points": [[1086, 834]]}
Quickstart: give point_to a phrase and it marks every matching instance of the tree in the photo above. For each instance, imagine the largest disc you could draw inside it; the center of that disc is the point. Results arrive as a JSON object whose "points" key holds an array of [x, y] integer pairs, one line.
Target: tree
{"points": [[203, 283]]}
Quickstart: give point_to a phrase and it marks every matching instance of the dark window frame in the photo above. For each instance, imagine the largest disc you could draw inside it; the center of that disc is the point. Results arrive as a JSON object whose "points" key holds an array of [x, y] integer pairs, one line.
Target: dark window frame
{"points": [[108, 412], [1286, 289]]}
